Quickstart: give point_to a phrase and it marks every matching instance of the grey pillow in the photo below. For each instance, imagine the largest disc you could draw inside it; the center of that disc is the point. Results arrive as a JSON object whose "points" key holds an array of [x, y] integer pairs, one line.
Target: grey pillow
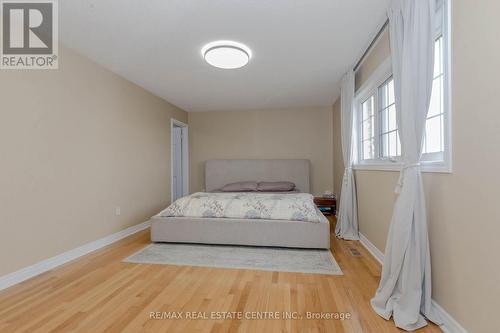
{"points": [[240, 187], [275, 186]]}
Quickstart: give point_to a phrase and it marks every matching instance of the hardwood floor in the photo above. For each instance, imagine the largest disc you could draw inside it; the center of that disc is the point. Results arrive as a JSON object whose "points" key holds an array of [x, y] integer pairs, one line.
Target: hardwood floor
{"points": [[99, 293]]}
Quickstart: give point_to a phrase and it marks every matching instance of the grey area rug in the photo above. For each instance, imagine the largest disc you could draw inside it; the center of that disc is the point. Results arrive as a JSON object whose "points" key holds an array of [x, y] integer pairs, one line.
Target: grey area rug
{"points": [[239, 257]]}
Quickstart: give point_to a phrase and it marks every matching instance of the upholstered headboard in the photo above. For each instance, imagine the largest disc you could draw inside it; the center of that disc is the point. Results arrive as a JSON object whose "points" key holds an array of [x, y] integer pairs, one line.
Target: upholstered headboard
{"points": [[221, 172]]}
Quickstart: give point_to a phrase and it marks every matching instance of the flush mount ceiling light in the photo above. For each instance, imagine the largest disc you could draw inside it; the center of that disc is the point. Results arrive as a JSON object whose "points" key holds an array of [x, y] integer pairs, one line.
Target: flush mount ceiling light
{"points": [[226, 54]]}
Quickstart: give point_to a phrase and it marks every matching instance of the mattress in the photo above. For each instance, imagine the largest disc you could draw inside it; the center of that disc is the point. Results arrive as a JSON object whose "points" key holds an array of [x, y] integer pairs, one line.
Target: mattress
{"points": [[251, 232]]}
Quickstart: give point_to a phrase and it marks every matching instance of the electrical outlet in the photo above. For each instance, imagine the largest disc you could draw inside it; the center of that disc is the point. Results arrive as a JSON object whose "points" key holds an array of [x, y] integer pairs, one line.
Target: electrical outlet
{"points": [[118, 211]]}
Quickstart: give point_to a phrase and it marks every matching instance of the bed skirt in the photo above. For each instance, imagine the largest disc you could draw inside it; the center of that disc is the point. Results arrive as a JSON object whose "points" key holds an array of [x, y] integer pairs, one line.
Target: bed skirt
{"points": [[248, 232]]}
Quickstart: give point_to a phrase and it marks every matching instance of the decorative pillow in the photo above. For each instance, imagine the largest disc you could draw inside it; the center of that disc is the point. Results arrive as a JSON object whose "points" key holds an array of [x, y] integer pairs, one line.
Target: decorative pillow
{"points": [[240, 187], [275, 187]]}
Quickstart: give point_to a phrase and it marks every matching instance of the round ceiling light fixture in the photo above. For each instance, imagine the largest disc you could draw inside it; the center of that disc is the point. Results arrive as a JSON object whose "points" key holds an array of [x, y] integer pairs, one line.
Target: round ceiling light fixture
{"points": [[226, 54]]}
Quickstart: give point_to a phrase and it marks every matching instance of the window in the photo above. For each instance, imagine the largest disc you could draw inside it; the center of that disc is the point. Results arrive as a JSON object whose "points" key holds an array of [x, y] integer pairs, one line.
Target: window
{"points": [[368, 129], [378, 142], [389, 134], [434, 129], [379, 136]]}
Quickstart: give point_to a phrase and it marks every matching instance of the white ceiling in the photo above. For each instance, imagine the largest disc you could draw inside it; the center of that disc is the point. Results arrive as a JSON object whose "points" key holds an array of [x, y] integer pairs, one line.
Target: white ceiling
{"points": [[301, 47]]}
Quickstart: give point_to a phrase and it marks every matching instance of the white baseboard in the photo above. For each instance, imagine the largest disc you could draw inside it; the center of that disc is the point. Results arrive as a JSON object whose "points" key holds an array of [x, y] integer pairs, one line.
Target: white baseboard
{"points": [[450, 325], [51, 263], [374, 251]]}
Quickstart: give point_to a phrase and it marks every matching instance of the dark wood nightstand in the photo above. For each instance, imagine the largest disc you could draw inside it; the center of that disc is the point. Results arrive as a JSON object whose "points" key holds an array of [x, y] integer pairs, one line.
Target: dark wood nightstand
{"points": [[328, 206]]}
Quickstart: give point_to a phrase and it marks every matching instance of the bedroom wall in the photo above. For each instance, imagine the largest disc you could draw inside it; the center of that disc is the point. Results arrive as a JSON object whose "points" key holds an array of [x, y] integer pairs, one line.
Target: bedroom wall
{"points": [[289, 133], [462, 211], [75, 143]]}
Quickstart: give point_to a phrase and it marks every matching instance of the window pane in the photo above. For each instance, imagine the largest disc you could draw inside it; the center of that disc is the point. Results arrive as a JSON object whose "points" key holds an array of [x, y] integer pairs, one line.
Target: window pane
{"points": [[384, 121], [367, 128], [392, 118], [368, 149], [436, 105], [393, 139], [384, 145], [434, 129], [438, 57], [433, 142], [367, 107], [386, 93], [387, 117]]}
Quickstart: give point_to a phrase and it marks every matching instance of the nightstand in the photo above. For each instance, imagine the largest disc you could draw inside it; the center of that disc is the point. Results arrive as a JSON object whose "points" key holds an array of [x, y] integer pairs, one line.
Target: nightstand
{"points": [[327, 206]]}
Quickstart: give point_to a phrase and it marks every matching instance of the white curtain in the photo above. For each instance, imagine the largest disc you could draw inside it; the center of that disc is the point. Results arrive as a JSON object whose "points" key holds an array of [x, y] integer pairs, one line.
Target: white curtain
{"points": [[405, 287], [347, 217]]}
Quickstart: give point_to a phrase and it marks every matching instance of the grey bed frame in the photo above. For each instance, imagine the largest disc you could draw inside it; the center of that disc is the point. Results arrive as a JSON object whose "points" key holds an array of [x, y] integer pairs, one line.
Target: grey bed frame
{"points": [[250, 232]]}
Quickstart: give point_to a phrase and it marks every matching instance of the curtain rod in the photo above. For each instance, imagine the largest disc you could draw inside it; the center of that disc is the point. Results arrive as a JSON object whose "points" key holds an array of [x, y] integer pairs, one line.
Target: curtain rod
{"points": [[370, 46]]}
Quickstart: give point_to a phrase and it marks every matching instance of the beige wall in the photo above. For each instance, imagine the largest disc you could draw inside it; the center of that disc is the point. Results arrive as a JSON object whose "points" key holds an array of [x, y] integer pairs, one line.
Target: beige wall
{"points": [[75, 143], [291, 133], [463, 213]]}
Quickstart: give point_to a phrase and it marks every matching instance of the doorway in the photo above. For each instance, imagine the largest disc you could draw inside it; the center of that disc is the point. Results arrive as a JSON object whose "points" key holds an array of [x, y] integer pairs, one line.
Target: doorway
{"points": [[179, 155]]}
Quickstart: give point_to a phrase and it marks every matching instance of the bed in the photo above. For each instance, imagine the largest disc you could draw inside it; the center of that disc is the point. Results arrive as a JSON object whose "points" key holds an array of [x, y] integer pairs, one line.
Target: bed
{"points": [[247, 231]]}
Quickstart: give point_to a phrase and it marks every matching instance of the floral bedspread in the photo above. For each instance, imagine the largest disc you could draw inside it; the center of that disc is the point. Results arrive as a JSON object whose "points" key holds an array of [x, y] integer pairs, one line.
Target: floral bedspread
{"points": [[270, 206]]}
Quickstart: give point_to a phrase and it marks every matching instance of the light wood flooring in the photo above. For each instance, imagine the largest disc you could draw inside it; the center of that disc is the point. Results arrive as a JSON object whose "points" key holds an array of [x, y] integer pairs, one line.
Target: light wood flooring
{"points": [[99, 293]]}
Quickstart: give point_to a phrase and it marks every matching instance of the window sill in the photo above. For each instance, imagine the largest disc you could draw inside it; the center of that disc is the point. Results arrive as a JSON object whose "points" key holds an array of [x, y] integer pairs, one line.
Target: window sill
{"points": [[428, 167]]}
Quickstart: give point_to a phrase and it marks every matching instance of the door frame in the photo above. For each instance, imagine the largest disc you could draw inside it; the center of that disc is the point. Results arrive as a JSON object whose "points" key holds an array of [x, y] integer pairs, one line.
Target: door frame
{"points": [[184, 154]]}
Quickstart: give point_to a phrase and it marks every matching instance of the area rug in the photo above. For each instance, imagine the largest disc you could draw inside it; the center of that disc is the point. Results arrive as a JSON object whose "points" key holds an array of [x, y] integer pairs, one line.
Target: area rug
{"points": [[239, 257]]}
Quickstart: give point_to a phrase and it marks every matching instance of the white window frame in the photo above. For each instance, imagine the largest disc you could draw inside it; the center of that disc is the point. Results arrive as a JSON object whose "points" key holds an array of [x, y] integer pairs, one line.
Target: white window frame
{"points": [[371, 86]]}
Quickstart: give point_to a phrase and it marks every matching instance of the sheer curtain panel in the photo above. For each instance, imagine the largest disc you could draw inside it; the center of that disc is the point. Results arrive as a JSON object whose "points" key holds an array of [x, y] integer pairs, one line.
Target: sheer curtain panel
{"points": [[347, 219], [405, 286]]}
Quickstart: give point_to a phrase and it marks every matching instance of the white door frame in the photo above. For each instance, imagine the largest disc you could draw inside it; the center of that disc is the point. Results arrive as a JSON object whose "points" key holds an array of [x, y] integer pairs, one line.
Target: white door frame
{"points": [[185, 157]]}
